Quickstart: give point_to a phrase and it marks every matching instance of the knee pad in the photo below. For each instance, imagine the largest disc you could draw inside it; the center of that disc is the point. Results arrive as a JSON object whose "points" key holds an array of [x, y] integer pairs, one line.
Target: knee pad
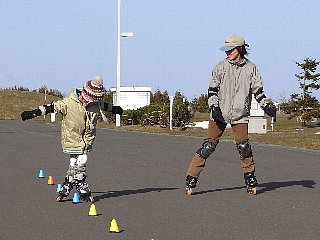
{"points": [[82, 160], [206, 149], [78, 160], [81, 169], [244, 149], [73, 161]]}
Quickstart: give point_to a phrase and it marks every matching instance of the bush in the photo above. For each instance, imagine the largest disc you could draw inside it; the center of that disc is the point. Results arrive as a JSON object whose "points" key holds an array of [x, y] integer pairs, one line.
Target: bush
{"points": [[156, 114]]}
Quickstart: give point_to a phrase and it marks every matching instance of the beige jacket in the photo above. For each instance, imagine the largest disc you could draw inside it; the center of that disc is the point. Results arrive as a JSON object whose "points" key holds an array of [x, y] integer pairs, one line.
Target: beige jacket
{"points": [[78, 127], [231, 86]]}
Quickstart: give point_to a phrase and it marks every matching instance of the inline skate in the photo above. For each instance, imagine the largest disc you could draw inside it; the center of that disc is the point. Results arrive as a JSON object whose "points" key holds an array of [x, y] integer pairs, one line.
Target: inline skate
{"points": [[65, 190], [191, 183], [251, 183], [84, 191]]}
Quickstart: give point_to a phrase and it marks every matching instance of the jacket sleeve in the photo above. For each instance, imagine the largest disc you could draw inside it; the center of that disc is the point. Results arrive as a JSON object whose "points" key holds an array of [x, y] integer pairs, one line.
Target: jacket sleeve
{"points": [[257, 88], [59, 106], [214, 84]]}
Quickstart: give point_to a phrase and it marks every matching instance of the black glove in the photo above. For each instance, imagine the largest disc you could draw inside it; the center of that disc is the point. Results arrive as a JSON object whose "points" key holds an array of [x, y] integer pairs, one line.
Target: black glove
{"points": [[30, 114], [117, 110], [216, 114], [270, 111]]}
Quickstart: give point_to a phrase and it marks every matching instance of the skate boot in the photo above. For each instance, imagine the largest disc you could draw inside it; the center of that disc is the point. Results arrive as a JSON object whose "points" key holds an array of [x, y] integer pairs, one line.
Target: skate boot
{"points": [[84, 191], [191, 183], [65, 190], [251, 182]]}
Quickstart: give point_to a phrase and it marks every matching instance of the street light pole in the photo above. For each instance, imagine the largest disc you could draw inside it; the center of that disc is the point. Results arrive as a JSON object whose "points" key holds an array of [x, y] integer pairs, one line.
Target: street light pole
{"points": [[118, 66], [119, 35]]}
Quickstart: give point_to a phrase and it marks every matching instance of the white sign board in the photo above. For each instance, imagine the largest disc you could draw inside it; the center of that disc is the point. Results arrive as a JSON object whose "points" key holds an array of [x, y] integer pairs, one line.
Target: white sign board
{"points": [[133, 97]]}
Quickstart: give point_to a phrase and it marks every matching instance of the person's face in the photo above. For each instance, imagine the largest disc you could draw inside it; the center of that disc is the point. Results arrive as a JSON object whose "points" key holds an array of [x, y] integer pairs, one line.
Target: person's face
{"points": [[233, 55], [88, 104]]}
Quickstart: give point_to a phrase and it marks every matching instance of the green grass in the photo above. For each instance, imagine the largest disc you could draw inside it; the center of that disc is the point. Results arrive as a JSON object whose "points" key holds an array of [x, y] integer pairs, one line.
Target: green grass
{"points": [[290, 134], [286, 132], [14, 102]]}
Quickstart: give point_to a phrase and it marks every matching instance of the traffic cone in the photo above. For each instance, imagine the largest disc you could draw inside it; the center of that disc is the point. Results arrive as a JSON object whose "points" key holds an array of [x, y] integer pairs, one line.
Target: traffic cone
{"points": [[114, 226], [50, 180], [93, 210], [59, 187], [41, 173], [75, 198]]}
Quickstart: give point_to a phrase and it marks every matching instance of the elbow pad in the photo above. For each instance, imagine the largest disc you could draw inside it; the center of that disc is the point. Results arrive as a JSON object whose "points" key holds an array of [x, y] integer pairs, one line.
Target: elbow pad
{"points": [[212, 91], [49, 108]]}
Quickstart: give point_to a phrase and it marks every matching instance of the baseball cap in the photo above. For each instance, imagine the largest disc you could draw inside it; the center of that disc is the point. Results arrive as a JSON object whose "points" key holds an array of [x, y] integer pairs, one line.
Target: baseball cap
{"points": [[233, 41]]}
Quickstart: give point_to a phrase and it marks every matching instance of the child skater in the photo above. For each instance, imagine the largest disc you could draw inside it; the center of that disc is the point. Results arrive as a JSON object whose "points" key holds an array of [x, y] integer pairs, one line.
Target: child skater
{"points": [[80, 112]]}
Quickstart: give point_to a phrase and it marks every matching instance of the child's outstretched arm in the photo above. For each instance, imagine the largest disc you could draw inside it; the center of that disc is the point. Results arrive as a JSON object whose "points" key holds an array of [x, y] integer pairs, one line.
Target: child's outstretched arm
{"points": [[45, 109]]}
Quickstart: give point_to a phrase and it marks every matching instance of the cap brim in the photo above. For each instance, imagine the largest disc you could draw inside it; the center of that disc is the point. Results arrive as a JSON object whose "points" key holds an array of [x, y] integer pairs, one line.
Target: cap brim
{"points": [[225, 48]]}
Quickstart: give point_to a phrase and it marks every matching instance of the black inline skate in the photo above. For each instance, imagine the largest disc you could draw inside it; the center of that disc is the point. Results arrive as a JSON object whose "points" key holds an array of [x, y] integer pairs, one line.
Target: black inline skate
{"points": [[84, 191], [251, 183], [191, 183], [65, 190]]}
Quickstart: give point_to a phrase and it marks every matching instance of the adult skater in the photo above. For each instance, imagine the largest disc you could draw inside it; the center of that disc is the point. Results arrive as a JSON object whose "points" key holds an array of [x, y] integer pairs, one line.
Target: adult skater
{"points": [[232, 83]]}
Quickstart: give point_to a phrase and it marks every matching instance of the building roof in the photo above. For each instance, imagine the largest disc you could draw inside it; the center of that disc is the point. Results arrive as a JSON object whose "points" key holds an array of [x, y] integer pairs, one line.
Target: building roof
{"points": [[132, 89]]}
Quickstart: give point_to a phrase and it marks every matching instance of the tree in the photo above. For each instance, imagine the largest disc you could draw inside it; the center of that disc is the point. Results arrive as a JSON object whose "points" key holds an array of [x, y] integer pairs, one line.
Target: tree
{"points": [[304, 105], [308, 78], [179, 98], [160, 98], [200, 104], [108, 96], [295, 109]]}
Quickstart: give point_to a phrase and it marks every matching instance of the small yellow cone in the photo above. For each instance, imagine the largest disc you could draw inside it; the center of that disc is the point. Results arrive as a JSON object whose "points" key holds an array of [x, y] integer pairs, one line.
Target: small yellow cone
{"points": [[93, 210], [114, 226]]}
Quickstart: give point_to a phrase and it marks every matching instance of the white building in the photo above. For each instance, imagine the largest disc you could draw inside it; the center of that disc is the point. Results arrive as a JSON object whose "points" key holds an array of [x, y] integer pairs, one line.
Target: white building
{"points": [[257, 123], [133, 97]]}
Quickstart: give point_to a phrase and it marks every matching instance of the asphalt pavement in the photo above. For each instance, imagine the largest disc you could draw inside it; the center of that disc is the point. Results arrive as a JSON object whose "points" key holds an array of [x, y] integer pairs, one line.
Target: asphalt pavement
{"points": [[139, 180]]}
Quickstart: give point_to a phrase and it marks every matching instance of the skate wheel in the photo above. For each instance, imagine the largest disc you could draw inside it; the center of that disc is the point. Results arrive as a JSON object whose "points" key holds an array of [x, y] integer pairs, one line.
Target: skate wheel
{"points": [[91, 199], [189, 191], [59, 198], [252, 191], [87, 199]]}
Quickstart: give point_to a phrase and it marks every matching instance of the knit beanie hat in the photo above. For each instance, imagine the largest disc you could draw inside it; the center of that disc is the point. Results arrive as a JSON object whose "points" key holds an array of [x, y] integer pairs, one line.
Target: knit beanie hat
{"points": [[93, 90]]}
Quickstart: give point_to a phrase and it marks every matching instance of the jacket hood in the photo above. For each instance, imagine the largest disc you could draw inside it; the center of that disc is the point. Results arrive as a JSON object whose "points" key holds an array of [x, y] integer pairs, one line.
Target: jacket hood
{"points": [[75, 94], [241, 63]]}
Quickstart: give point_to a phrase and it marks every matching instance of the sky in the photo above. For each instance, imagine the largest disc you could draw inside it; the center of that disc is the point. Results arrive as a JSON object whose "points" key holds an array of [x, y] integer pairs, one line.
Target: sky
{"points": [[62, 44]]}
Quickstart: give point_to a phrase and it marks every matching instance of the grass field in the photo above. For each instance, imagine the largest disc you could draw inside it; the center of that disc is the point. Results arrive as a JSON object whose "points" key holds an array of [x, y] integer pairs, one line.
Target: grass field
{"points": [[285, 132], [14, 102]]}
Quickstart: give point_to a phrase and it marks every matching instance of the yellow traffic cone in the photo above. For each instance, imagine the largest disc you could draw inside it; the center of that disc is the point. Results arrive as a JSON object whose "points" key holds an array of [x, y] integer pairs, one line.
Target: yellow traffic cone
{"points": [[114, 226], [93, 210]]}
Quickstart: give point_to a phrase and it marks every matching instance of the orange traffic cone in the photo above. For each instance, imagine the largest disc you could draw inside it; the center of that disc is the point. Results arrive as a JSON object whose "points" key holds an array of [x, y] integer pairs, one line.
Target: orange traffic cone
{"points": [[50, 180]]}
